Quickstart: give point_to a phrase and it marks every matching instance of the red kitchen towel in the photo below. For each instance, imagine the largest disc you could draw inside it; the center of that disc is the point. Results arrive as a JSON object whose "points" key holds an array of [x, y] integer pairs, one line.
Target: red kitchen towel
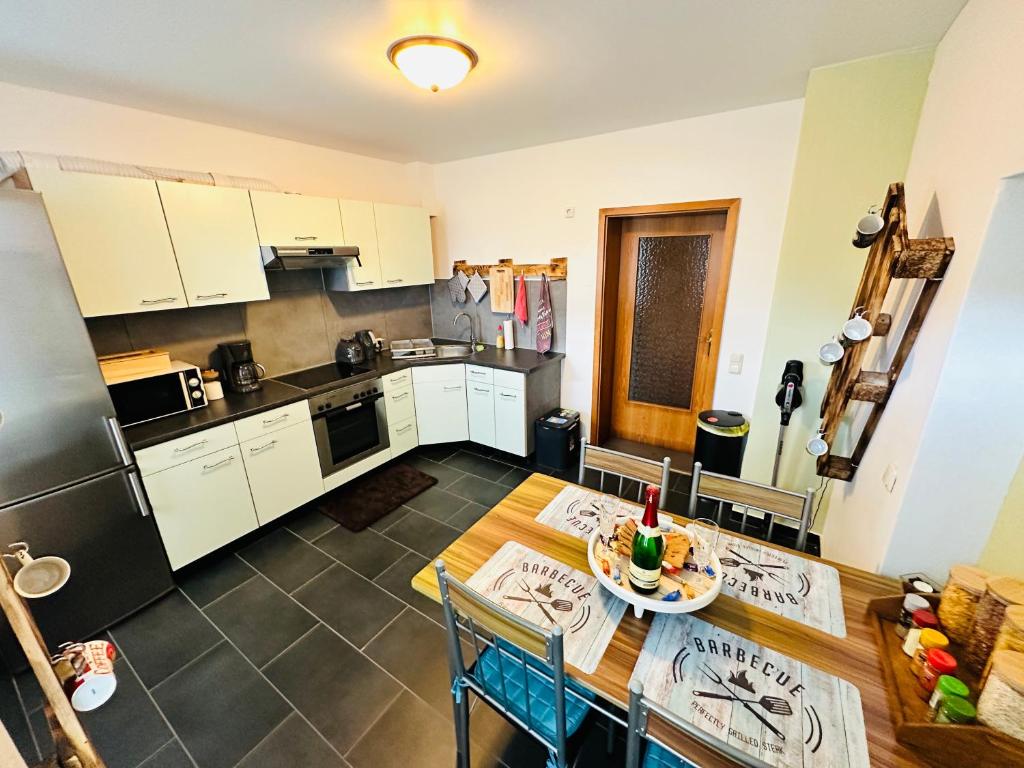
{"points": [[545, 317], [521, 311]]}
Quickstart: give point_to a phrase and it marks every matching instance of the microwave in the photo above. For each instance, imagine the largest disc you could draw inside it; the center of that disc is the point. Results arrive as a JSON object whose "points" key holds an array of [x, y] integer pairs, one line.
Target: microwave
{"points": [[149, 396]]}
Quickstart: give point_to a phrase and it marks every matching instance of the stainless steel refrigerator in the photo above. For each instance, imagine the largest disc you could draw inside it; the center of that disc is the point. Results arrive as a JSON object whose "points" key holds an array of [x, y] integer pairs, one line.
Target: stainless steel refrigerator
{"points": [[68, 481]]}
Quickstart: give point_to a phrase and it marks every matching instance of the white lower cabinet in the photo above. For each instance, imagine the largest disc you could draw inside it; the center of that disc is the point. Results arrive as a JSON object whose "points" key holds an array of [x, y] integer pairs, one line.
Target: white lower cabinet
{"points": [[441, 403], [403, 436], [480, 407], [510, 422], [201, 505], [283, 470], [400, 405]]}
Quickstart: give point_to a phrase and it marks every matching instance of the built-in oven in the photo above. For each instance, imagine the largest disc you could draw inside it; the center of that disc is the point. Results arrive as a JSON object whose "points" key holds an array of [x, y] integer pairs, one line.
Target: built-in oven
{"points": [[350, 424]]}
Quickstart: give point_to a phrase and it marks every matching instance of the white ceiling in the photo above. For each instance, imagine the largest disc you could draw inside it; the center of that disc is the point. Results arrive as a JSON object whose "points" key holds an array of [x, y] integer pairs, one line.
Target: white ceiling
{"points": [[315, 70]]}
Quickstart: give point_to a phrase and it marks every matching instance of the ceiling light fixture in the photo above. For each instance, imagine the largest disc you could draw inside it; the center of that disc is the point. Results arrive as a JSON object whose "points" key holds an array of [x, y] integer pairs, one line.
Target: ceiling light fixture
{"points": [[432, 62]]}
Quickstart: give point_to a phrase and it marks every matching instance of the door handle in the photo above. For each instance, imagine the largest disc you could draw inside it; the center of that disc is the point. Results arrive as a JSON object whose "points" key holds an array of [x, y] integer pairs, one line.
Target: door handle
{"points": [[711, 335], [305, 237], [140, 494], [120, 443], [477, 389], [364, 282], [164, 300], [185, 448], [282, 417], [400, 396], [353, 406], [220, 463], [399, 280], [508, 396], [201, 297], [403, 430], [263, 447], [457, 387]]}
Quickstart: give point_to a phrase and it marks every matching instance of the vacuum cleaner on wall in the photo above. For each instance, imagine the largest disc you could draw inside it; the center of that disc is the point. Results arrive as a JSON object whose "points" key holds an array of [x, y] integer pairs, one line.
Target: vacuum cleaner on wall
{"points": [[788, 397]]}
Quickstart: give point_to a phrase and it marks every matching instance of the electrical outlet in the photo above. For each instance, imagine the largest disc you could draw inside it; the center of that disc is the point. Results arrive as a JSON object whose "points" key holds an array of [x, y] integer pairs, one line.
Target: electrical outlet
{"points": [[889, 477], [570, 213], [736, 363]]}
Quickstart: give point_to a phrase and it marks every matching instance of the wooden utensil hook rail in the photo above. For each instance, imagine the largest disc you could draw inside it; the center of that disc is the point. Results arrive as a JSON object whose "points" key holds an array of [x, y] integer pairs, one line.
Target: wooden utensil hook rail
{"points": [[893, 256], [555, 269]]}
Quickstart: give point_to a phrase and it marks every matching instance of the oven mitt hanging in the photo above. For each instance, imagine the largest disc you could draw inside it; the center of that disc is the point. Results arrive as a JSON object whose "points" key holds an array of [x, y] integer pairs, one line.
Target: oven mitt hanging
{"points": [[477, 287], [457, 287]]}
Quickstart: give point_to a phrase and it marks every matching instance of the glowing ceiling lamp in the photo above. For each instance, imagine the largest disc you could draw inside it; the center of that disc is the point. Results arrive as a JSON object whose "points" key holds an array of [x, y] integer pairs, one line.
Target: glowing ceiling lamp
{"points": [[432, 62]]}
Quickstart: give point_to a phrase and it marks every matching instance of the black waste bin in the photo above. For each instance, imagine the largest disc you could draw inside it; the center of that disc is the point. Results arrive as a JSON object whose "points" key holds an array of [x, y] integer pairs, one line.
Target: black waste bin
{"points": [[721, 441], [556, 438]]}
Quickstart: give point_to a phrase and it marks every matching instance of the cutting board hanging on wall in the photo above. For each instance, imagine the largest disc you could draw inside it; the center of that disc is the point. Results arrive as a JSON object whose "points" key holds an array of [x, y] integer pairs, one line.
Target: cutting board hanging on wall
{"points": [[502, 294]]}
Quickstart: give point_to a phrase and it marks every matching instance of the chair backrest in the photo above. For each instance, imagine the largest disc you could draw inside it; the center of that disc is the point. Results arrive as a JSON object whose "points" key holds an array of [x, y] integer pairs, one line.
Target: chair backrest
{"points": [[518, 648], [664, 730], [625, 467], [749, 495]]}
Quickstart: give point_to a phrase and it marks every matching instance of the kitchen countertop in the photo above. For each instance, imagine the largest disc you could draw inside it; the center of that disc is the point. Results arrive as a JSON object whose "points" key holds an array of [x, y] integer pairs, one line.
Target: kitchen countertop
{"points": [[274, 393]]}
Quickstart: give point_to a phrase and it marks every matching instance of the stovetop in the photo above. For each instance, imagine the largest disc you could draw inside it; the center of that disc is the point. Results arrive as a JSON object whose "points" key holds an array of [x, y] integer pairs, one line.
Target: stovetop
{"points": [[322, 375]]}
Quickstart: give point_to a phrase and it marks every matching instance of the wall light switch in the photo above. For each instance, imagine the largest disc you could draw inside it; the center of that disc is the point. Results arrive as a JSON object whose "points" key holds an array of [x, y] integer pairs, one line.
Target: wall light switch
{"points": [[735, 363], [570, 213], [889, 477]]}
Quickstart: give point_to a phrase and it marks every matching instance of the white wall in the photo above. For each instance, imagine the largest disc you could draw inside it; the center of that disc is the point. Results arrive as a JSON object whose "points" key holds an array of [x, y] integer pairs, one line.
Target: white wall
{"points": [[954, 469], [42, 121], [511, 205]]}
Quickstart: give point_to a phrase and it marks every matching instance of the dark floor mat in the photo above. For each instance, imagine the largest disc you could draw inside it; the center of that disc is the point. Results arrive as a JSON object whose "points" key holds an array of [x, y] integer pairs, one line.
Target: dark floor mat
{"points": [[367, 499]]}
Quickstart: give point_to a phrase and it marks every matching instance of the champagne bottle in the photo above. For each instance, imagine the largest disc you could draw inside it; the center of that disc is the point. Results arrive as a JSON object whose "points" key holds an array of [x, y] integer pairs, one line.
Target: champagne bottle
{"points": [[648, 548]]}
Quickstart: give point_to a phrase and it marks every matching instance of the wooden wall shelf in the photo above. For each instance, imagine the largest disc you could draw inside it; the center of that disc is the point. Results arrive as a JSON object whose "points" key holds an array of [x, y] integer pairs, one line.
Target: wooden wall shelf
{"points": [[555, 269], [893, 256]]}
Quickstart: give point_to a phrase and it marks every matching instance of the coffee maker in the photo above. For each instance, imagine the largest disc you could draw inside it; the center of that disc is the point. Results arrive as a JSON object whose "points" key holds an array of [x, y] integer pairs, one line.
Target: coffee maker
{"points": [[241, 373]]}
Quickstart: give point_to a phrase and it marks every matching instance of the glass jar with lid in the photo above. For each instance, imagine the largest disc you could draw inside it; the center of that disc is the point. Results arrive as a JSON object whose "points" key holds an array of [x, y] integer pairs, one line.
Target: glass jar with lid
{"points": [[937, 663], [1000, 593], [930, 639], [956, 711], [960, 600], [1001, 704], [946, 685]]}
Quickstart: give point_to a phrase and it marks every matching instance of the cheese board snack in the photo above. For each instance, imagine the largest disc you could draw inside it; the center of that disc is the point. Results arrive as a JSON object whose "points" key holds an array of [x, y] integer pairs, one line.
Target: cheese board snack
{"points": [[1001, 704], [960, 600], [1000, 593]]}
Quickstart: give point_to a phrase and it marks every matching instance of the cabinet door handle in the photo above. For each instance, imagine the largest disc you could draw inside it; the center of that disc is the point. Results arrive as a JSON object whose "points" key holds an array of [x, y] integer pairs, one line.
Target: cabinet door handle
{"points": [[263, 447], [282, 417], [305, 237], [400, 396], [220, 463], [164, 300], [403, 430], [453, 388], [508, 396], [477, 389], [140, 494], [399, 280], [119, 441], [396, 379], [365, 282], [204, 296], [185, 448], [477, 373]]}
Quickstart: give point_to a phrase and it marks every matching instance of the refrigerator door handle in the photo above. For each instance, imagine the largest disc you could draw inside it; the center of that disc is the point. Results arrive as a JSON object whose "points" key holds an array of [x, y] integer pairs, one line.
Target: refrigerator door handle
{"points": [[120, 443], [140, 494]]}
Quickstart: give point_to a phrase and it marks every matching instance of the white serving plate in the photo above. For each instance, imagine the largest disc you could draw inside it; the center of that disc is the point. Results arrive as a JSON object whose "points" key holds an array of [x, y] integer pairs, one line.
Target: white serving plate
{"points": [[643, 603]]}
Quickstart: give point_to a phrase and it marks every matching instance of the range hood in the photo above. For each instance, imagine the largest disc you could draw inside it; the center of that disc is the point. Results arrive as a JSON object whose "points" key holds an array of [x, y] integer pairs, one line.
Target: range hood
{"points": [[308, 257]]}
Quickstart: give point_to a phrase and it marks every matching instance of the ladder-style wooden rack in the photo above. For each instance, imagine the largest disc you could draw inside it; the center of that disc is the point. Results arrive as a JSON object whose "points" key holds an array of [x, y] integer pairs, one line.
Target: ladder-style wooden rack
{"points": [[893, 255]]}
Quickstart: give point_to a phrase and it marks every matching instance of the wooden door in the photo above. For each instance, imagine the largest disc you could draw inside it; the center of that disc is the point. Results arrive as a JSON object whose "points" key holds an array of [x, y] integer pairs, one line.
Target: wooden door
{"points": [[671, 269]]}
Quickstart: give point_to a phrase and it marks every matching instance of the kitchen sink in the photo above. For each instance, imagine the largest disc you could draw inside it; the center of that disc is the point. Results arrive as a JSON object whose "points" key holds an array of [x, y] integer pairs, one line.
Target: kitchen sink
{"points": [[453, 350]]}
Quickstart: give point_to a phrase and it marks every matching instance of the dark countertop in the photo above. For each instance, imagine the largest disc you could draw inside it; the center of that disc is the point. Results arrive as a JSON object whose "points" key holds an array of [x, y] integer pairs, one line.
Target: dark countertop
{"points": [[275, 393]]}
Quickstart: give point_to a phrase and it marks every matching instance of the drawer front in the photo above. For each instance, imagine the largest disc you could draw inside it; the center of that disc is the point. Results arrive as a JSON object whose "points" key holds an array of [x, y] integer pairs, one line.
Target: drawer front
{"points": [[509, 379], [397, 379], [403, 436], [510, 420], [479, 374], [178, 451], [400, 404], [283, 469], [427, 373], [271, 421]]}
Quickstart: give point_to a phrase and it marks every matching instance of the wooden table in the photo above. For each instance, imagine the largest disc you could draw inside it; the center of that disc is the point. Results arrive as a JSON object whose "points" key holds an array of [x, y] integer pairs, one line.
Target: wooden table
{"points": [[855, 658]]}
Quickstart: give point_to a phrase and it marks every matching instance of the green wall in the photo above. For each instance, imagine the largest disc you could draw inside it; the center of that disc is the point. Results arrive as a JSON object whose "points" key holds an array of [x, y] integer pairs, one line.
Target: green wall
{"points": [[858, 127]]}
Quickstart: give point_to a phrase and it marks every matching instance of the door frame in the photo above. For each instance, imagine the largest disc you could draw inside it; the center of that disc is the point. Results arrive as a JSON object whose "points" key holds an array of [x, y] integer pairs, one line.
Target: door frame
{"points": [[609, 240]]}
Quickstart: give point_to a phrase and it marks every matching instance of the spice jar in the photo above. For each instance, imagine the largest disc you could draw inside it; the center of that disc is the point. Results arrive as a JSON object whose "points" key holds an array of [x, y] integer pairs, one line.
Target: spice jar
{"points": [[937, 662], [911, 603], [919, 620], [946, 685], [1010, 637], [1000, 592], [1001, 704], [929, 639], [955, 710], [960, 599]]}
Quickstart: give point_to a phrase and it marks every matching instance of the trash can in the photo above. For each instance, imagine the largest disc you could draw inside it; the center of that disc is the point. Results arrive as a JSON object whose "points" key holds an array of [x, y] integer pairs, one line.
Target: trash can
{"points": [[721, 441], [556, 438]]}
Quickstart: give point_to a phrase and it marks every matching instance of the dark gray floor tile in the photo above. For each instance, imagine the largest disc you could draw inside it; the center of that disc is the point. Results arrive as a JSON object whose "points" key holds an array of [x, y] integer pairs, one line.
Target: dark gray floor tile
{"points": [[366, 552], [512, 745], [436, 503], [28, 687], [488, 469], [172, 755], [389, 519], [285, 559], [413, 649], [479, 490], [354, 607], [514, 477], [397, 578], [13, 717], [444, 474], [422, 534], [680, 482], [164, 637], [335, 687], [293, 745], [438, 452], [211, 579], [260, 619], [220, 707], [468, 515], [310, 524], [409, 733]]}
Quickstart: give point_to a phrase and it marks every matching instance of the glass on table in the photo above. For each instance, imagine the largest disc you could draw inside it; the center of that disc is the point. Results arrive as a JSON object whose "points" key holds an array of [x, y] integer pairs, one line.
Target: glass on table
{"points": [[607, 513], [704, 540]]}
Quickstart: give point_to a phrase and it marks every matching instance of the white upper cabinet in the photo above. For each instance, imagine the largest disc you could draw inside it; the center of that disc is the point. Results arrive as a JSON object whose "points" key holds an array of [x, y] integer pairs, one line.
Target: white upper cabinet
{"points": [[114, 240], [283, 219], [215, 241], [360, 227], [403, 235]]}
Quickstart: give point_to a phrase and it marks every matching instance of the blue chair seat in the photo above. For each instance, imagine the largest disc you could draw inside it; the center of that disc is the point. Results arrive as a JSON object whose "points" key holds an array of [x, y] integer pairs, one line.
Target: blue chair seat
{"points": [[658, 757], [542, 695]]}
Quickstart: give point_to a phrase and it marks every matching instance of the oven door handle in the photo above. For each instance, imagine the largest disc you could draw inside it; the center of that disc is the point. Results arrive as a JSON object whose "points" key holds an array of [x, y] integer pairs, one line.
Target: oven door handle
{"points": [[353, 406]]}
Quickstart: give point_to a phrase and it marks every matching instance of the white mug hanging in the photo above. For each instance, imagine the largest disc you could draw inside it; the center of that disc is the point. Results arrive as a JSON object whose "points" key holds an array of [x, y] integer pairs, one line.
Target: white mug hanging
{"points": [[831, 352], [857, 328], [817, 446], [868, 228]]}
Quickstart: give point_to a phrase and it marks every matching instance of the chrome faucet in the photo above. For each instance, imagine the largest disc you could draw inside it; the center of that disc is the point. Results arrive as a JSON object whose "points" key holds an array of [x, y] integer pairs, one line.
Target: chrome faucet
{"points": [[472, 333]]}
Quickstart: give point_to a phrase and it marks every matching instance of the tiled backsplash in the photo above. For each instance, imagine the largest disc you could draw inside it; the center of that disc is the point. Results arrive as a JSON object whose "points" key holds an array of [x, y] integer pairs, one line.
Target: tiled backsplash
{"points": [[486, 323], [298, 328]]}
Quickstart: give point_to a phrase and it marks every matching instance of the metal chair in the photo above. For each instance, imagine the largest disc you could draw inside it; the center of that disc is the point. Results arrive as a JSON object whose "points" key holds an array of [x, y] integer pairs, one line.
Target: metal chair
{"points": [[625, 467], [763, 498], [519, 670], [656, 726]]}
